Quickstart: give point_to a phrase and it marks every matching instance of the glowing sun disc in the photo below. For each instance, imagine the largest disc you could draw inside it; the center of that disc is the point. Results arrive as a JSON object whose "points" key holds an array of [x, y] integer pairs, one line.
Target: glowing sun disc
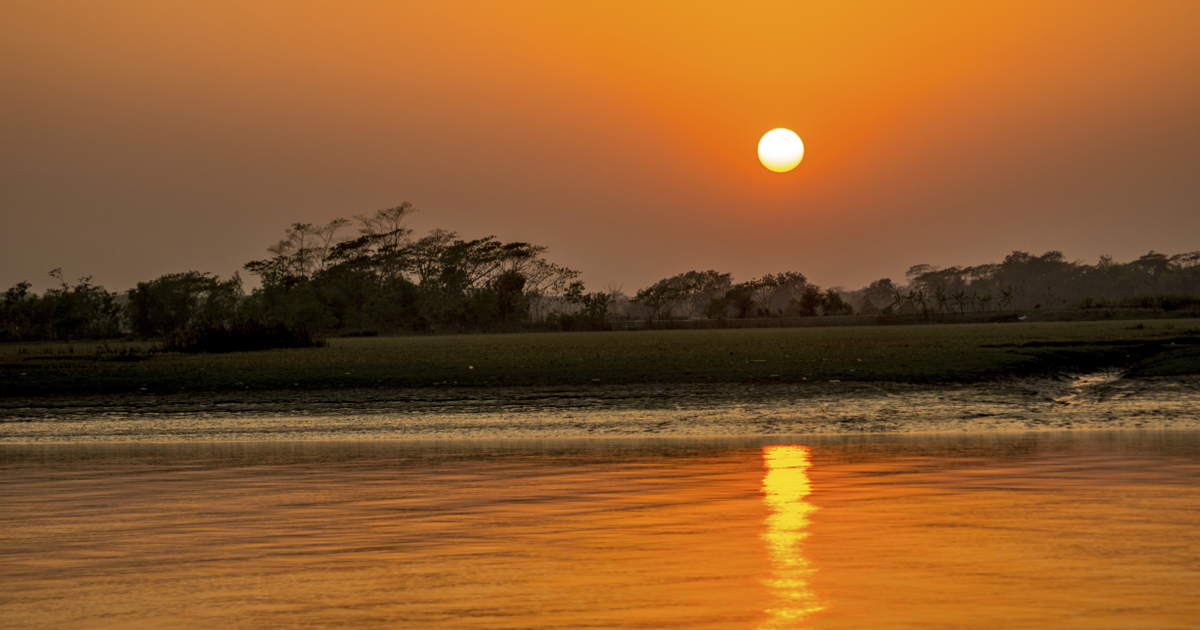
{"points": [[780, 150]]}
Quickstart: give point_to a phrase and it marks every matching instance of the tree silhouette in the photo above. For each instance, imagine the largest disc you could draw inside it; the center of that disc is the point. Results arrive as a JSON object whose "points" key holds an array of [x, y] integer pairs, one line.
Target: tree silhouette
{"points": [[919, 297], [1006, 296], [960, 298]]}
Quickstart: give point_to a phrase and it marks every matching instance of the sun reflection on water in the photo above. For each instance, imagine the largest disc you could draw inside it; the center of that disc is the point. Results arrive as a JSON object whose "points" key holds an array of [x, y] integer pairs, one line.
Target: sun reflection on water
{"points": [[785, 487]]}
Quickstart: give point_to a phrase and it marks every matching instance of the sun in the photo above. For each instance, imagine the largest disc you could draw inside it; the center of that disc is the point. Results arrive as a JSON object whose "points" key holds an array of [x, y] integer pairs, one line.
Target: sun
{"points": [[780, 150]]}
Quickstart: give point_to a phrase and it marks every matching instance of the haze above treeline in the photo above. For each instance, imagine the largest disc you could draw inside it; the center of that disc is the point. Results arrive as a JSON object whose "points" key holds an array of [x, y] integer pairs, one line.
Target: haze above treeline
{"points": [[374, 275], [141, 138]]}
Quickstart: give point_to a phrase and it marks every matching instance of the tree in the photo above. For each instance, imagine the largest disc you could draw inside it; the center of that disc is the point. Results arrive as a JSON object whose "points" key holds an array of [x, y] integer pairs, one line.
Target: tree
{"points": [[511, 305], [385, 238], [82, 311], [832, 304], [704, 292], [772, 291], [919, 297], [880, 291], [960, 298], [1007, 293], [657, 299], [305, 249], [810, 301], [545, 286], [19, 315], [180, 301], [689, 292], [941, 297], [592, 309], [739, 299], [427, 255], [1153, 264]]}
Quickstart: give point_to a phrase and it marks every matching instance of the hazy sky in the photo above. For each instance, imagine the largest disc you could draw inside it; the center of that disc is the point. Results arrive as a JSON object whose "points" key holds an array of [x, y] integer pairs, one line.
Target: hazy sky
{"points": [[144, 138]]}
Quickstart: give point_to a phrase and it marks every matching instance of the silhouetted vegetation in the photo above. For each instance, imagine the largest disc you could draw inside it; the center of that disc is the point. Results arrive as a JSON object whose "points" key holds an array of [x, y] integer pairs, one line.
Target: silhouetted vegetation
{"points": [[1026, 282], [372, 276], [384, 280], [64, 313], [715, 296], [242, 336], [181, 302]]}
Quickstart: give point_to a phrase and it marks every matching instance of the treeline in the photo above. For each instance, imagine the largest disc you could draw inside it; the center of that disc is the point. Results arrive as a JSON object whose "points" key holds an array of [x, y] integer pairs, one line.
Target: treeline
{"points": [[714, 295], [381, 279], [1024, 281], [1020, 282], [366, 276], [66, 312], [371, 275]]}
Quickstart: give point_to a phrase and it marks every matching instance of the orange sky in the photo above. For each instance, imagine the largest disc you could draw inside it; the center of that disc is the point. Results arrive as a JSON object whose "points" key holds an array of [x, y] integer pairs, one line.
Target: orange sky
{"points": [[143, 138]]}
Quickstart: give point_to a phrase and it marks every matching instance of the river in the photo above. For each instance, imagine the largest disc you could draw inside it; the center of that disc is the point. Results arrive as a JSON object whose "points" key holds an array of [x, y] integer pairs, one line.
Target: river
{"points": [[1044, 529]]}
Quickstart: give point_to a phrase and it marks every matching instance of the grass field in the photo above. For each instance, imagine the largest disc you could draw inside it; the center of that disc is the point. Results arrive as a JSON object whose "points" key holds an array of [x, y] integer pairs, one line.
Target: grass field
{"points": [[911, 354]]}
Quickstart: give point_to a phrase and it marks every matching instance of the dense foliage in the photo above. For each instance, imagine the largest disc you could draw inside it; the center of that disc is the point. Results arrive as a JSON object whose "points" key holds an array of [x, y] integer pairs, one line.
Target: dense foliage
{"points": [[83, 311], [320, 280], [1024, 281], [178, 302], [243, 335], [715, 296], [384, 280]]}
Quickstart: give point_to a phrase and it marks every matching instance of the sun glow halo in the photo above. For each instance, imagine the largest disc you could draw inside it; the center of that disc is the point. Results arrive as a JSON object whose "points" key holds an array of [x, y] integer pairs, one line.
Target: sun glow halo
{"points": [[780, 150]]}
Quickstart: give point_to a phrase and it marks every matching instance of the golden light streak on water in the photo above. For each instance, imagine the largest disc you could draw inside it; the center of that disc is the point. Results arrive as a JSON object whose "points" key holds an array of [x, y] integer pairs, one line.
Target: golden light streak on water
{"points": [[785, 488], [1015, 531]]}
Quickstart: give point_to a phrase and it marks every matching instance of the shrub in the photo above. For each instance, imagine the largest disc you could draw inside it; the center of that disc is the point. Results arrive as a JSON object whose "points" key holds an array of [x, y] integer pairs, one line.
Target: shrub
{"points": [[243, 336]]}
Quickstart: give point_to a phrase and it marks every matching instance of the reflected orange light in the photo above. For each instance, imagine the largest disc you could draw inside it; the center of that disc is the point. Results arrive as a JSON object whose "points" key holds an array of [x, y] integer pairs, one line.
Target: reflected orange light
{"points": [[785, 486]]}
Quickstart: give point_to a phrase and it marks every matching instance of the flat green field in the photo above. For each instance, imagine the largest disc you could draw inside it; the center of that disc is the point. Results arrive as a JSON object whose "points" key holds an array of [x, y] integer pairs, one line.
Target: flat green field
{"points": [[908, 354]]}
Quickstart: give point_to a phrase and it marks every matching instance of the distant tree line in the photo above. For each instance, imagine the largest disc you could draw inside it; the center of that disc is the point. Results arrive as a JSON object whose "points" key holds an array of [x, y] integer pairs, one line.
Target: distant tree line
{"points": [[372, 276], [714, 295], [66, 312], [383, 279], [1024, 281]]}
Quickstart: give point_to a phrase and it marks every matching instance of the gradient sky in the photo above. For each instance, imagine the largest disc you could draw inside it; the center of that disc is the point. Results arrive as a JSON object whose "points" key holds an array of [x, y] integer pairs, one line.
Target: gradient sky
{"points": [[145, 137]]}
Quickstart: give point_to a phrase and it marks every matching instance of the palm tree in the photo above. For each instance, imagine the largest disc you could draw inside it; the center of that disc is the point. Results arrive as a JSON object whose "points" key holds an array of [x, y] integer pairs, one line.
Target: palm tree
{"points": [[960, 299], [941, 297], [1006, 296], [986, 301], [898, 302], [919, 297]]}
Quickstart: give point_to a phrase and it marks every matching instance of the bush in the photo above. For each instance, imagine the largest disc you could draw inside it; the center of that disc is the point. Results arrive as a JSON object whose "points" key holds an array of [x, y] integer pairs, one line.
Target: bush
{"points": [[1167, 302], [176, 302], [243, 336], [576, 322]]}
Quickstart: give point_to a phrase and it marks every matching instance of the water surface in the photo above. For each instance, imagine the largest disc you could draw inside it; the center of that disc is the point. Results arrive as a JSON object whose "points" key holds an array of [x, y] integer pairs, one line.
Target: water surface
{"points": [[1097, 401], [1031, 530]]}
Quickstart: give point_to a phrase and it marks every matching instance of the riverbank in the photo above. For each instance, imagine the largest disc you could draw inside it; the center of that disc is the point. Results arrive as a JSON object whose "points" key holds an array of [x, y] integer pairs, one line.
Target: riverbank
{"points": [[966, 353], [1016, 376]]}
